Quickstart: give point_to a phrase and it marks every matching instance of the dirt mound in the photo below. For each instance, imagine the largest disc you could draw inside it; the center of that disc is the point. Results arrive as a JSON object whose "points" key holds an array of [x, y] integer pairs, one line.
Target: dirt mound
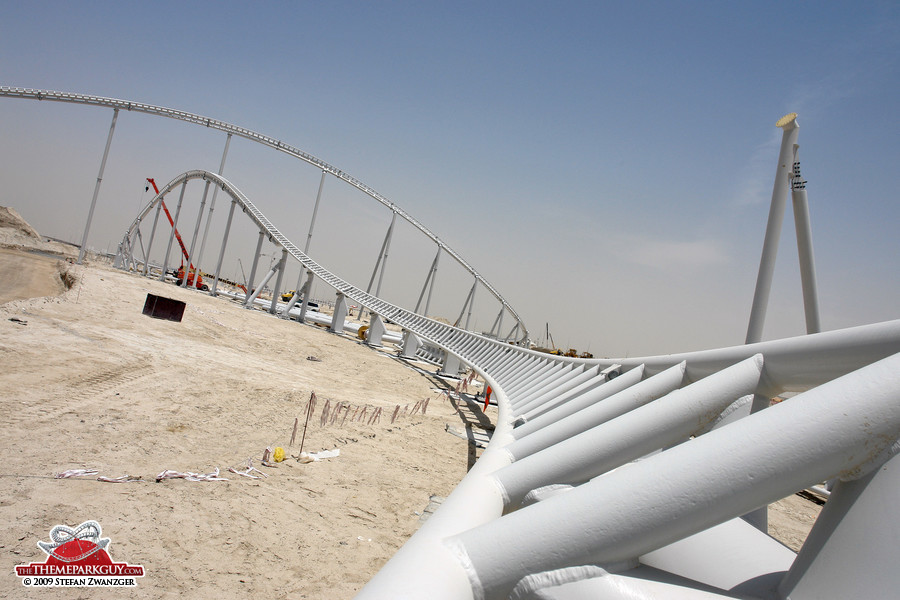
{"points": [[10, 219], [16, 233]]}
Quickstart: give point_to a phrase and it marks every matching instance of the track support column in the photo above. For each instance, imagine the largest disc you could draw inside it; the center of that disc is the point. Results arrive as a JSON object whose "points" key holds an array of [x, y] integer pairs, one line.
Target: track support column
{"points": [[340, 314], [805, 248], [788, 124], [215, 285], [162, 276], [276, 293], [87, 226], [152, 236], [190, 257], [312, 223], [212, 207], [250, 293]]}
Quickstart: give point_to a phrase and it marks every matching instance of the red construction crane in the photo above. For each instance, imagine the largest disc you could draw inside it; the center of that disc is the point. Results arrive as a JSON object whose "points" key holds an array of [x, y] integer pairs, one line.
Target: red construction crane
{"points": [[179, 275]]}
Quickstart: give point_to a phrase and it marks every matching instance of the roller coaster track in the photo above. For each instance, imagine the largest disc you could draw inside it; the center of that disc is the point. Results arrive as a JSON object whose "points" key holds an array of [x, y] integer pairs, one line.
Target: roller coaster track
{"points": [[542, 508], [649, 477], [128, 105]]}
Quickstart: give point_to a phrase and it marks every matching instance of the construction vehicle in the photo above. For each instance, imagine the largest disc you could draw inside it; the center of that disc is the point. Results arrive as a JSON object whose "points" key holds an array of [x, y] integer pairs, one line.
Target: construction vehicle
{"points": [[571, 352], [286, 297], [179, 273], [179, 278]]}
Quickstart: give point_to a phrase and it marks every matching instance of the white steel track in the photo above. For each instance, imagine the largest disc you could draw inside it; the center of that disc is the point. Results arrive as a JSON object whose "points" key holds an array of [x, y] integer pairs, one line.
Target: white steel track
{"points": [[648, 478], [128, 105], [556, 507]]}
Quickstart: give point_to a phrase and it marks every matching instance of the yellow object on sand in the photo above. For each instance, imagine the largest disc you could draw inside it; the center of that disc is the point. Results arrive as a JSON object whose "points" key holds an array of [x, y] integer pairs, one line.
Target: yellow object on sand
{"points": [[278, 454]]}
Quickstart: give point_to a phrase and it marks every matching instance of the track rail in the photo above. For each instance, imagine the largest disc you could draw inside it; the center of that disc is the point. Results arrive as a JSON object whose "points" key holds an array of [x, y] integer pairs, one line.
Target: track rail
{"points": [[557, 507], [649, 477], [271, 142]]}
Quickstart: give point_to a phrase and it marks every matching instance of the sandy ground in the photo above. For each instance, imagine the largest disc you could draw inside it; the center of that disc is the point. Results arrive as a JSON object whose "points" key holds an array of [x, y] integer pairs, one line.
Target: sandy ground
{"points": [[90, 382], [87, 381]]}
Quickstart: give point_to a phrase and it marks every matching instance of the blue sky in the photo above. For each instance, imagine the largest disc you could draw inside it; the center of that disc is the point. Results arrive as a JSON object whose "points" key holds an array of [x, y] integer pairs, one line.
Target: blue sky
{"points": [[607, 166]]}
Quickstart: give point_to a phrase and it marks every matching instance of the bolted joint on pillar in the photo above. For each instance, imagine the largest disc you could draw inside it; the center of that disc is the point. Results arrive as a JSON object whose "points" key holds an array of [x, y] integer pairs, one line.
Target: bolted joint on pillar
{"points": [[797, 181]]}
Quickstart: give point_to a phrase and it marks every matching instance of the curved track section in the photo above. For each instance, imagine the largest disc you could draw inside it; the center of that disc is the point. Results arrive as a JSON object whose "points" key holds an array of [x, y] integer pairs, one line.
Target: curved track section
{"points": [[128, 105], [649, 477], [435, 332]]}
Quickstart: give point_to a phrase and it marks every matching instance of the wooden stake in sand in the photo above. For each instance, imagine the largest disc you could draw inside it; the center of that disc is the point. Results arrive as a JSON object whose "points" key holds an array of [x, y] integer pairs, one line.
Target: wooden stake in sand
{"points": [[309, 409], [323, 421], [294, 434]]}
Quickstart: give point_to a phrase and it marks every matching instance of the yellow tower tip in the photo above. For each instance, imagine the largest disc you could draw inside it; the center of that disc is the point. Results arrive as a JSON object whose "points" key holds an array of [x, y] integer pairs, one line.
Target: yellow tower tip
{"points": [[786, 120]]}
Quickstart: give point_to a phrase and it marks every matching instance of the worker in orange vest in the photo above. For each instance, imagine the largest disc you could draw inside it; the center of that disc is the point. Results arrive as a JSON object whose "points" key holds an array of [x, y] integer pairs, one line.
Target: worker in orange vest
{"points": [[487, 398]]}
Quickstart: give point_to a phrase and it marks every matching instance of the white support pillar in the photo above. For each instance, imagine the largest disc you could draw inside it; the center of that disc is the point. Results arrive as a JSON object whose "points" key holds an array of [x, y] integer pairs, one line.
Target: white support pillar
{"points": [[165, 266], [152, 237], [143, 250], [190, 256], [856, 532], [125, 254], [312, 223], [261, 285], [87, 226], [512, 332], [411, 343], [450, 366], [340, 314], [469, 300], [788, 124], [215, 284], [212, 207], [429, 284], [471, 304], [387, 248], [498, 324], [276, 293], [805, 247], [304, 291], [251, 293], [125, 251], [381, 263], [376, 330], [295, 296]]}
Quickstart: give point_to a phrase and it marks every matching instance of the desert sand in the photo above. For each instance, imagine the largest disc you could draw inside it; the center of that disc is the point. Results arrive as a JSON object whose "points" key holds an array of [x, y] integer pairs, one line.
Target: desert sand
{"points": [[89, 382]]}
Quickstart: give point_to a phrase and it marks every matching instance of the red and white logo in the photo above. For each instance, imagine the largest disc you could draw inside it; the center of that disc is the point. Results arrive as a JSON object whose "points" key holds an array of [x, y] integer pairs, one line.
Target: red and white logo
{"points": [[78, 558]]}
